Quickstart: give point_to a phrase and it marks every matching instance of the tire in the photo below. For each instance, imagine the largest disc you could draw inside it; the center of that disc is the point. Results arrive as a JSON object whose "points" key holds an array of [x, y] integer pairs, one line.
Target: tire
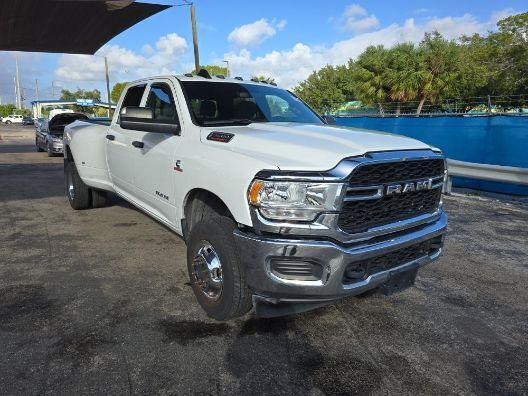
{"points": [[99, 198], [8, 122], [39, 149], [214, 236], [78, 193], [48, 149]]}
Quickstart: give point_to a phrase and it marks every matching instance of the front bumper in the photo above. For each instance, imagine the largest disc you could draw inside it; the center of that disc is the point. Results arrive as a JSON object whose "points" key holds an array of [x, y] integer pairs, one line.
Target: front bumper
{"points": [[256, 253], [57, 148]]}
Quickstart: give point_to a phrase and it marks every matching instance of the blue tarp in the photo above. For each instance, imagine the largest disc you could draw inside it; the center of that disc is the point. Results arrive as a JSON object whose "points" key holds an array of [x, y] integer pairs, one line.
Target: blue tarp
{"points": [[496, 140]]}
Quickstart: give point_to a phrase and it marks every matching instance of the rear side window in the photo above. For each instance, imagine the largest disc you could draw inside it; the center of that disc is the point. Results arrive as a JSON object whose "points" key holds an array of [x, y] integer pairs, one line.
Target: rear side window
{"points": [[133, 96], [161, 101]]}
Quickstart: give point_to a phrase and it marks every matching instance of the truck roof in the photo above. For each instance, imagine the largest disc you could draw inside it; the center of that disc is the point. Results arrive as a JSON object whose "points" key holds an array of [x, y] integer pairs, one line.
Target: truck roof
{"points": [[213, 79]]}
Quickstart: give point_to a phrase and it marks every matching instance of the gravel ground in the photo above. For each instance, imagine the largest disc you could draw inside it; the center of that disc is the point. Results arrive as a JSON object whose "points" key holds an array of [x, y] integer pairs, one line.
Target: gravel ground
{"points": [[97, 301]]}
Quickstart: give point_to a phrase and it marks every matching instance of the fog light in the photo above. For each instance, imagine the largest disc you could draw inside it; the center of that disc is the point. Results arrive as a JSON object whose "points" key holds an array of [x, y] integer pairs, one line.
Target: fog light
{"points": [[296, 269]]}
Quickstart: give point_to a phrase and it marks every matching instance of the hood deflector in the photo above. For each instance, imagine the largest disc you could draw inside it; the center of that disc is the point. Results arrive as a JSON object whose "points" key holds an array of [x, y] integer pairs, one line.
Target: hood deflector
{"points": [[68, 26]]}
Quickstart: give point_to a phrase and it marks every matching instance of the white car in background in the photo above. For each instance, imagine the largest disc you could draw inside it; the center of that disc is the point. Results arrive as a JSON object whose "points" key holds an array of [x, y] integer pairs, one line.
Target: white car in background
{"points": [[13, 119]]}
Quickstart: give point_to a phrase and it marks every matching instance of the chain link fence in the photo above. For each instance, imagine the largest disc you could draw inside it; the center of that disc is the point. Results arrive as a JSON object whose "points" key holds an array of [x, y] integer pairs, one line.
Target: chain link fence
{"points": [[481, 105]]}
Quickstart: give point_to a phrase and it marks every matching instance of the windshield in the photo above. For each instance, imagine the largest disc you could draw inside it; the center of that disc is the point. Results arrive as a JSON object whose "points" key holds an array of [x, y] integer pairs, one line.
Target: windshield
{"points": [[228, 103]]}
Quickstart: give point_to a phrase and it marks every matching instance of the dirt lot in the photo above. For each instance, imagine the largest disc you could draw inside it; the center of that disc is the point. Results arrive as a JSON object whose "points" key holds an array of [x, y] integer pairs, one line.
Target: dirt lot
{"points": [[97, 301]]}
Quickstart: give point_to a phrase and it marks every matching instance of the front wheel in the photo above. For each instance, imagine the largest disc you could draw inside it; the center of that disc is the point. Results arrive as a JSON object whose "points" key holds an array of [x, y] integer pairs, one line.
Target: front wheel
{"points": [[216, 273], [8, 122], [39, 149], [78, 192]]}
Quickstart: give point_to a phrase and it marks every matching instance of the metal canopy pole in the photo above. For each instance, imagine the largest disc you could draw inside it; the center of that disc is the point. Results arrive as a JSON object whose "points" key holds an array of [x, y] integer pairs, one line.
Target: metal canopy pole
{"points": [[19, 94], [195, 39], [107, 86]]}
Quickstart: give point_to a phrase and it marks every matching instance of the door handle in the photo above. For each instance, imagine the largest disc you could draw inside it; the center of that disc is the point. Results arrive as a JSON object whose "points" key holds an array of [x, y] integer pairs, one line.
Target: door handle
{"points": [[137, 144], [110, 137]]}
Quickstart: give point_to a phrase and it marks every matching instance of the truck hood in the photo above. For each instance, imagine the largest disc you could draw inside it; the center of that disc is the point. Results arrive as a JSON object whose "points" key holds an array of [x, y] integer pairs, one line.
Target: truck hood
{"points": [[294, 146]]}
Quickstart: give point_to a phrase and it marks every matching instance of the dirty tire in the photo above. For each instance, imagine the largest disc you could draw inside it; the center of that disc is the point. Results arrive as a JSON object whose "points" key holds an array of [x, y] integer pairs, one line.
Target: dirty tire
{"points": [[99, 198], [80, 198], [235, 299]]}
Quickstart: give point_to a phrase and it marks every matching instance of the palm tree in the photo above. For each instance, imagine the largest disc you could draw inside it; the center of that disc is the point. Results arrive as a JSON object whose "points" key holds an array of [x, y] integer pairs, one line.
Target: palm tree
{"points": [[371, 77], [404, 78], [439, 70]]}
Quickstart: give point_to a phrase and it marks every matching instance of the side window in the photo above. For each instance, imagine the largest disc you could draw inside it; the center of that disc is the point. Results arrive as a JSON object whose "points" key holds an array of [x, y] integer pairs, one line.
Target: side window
{"points": [[161, 101], [133, 96], [278, 107]]}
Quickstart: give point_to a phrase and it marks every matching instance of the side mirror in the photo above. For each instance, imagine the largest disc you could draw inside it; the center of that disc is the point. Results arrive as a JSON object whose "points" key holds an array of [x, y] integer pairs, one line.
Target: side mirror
{"points": [[328, 119], [142, 119]]}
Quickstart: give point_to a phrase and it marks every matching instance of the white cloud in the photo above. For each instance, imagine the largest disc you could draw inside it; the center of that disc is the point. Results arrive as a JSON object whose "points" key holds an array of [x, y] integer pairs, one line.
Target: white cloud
{"points": [[354, 10], [253, 34], [166, 57], [291, 66], [281, 24], [171, 44], [362, 25], [498, 15], [421, 11], [356, 19]]}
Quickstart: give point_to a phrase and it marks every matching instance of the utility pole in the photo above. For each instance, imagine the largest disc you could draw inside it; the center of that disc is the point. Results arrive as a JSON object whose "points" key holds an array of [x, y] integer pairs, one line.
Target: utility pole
{"points": [[227, 67], [37, 92], [107, 86], [16, 94], [195, 39], [19, 93]]}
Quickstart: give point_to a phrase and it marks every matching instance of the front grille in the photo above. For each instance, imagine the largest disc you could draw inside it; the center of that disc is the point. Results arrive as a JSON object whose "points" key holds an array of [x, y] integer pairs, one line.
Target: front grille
{"points": [[361, 270], [360, 215], [389, 172]]}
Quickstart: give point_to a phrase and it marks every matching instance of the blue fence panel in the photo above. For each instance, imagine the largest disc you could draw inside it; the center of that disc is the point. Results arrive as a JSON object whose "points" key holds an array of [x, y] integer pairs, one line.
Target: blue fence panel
{"points": [[496, 140]]}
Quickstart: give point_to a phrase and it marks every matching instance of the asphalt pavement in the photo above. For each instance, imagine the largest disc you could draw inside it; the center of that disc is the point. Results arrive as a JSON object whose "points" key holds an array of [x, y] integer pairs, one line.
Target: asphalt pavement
{"points": [[98, 301]]}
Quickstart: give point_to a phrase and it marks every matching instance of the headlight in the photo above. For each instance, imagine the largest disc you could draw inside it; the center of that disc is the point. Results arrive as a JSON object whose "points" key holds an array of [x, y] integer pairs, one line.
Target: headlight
{"points": [[297, 201]]}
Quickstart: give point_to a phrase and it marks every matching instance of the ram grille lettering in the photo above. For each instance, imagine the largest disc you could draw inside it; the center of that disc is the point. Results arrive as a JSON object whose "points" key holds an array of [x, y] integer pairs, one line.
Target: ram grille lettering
{"points": [[403, 188]]}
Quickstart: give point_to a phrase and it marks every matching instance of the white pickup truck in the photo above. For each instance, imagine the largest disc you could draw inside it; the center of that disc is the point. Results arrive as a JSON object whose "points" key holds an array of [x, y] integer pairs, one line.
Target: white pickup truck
{"points": [[279, 209]]}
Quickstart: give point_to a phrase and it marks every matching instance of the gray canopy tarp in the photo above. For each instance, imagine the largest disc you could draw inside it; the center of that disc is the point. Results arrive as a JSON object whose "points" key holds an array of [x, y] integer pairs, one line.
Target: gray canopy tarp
{"points": [[67, 26]]}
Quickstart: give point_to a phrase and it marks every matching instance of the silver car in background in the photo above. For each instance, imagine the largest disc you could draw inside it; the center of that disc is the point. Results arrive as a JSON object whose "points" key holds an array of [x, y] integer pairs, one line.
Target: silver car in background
{"points": [[48, 135]]}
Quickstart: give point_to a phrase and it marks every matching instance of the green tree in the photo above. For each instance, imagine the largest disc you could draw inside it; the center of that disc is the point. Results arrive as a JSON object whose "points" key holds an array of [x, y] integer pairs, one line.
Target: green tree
{"points": [[403, 77], [501, 57], [81, 94], [371, 76], [7, 109], [213, 70], [327, 88], [117, 90], [439, 69], [263, 78]]}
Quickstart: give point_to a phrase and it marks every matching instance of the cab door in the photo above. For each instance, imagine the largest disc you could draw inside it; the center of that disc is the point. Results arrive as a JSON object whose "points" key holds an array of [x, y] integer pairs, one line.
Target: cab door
{"points": [[155, 166], [120, 154]]}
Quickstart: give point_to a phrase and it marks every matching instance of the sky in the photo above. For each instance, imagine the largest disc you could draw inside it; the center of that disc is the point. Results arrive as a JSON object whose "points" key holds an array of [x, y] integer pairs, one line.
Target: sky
{"points": [[284, 39]]}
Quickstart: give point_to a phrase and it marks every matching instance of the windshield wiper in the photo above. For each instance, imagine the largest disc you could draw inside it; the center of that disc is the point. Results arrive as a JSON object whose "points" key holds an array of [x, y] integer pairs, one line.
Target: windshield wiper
{"points": [[232, 121]]}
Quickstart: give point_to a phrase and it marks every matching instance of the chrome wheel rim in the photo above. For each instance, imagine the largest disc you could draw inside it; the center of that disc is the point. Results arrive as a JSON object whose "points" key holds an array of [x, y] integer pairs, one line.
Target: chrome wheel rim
{"points": [[207, 271], [71, 187]]}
